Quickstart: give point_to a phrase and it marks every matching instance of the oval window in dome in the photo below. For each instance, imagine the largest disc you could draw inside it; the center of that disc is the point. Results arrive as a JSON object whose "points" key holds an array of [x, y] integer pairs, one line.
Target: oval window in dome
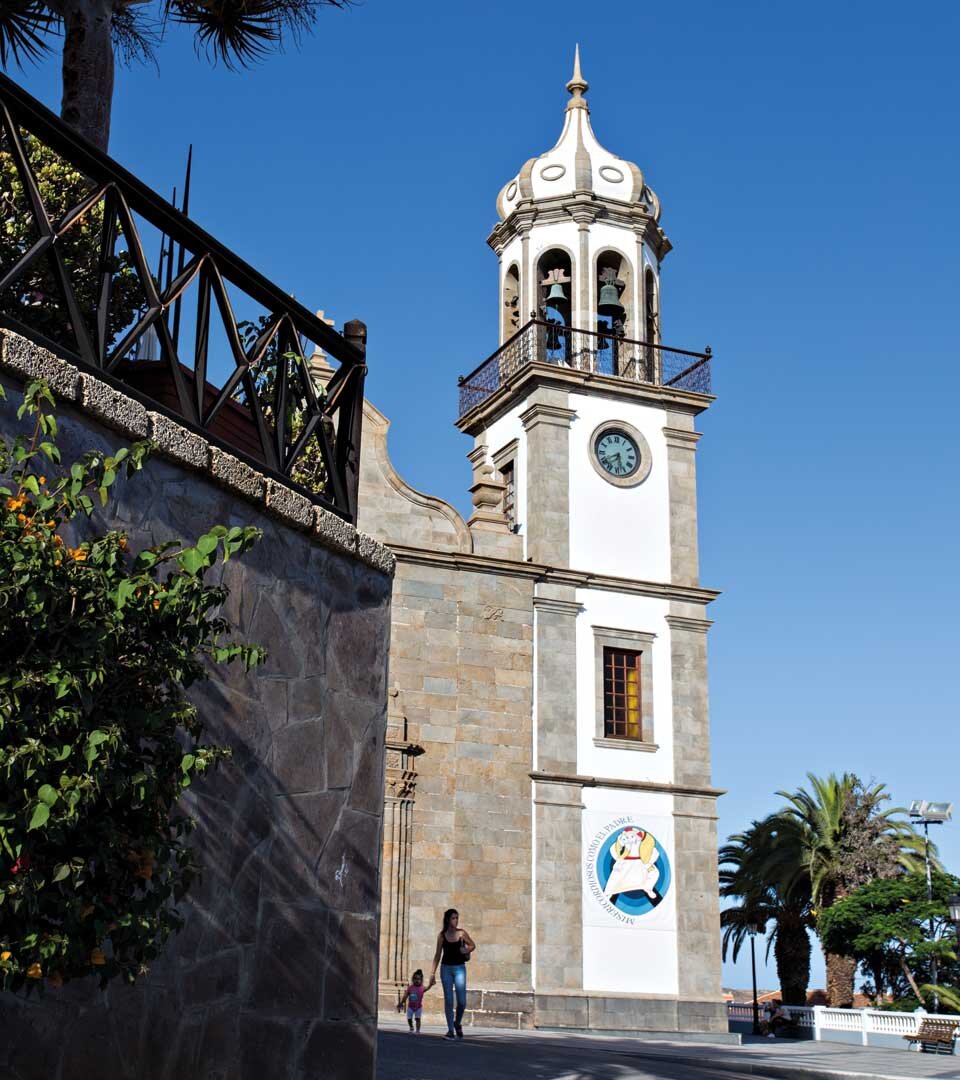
{"points": [[611, 174], [552, 172], [511, 190]]}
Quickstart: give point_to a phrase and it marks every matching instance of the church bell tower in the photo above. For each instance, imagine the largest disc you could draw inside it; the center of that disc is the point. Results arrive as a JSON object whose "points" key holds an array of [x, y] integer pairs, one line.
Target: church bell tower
{"points": [[586, 419]]}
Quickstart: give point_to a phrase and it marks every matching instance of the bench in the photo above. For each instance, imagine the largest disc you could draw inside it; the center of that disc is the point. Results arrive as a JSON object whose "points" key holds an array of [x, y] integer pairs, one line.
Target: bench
{"points": [[935, 1036]]}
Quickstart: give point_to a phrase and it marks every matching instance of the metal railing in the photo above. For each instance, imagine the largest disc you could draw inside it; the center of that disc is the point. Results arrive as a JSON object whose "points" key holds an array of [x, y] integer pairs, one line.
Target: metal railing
{"points": [[586, 350], [46, 281]]}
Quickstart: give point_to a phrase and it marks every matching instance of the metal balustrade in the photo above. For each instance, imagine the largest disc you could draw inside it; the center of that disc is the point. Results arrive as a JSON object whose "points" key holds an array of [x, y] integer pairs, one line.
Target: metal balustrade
{"points": [[595, 352]]}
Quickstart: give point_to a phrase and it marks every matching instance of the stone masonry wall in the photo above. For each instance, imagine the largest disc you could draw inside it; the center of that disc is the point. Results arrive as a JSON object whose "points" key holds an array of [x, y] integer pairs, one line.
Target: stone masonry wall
{"points": [[275, 974], [461, 654]]}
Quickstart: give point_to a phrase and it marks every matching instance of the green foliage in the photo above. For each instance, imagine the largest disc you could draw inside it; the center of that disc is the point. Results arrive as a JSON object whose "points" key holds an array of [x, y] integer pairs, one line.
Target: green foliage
{"points": [[889, 921], [758, 870], [35, 295], [97, 738]]}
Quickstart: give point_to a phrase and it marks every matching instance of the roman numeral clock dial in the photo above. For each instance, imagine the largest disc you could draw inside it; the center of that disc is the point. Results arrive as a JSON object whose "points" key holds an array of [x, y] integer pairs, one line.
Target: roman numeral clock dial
{"points": [[620, 454]]}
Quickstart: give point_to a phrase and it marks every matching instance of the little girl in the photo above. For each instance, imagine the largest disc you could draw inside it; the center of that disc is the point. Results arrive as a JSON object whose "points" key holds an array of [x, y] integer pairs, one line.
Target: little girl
{"points": [[413, 996]]}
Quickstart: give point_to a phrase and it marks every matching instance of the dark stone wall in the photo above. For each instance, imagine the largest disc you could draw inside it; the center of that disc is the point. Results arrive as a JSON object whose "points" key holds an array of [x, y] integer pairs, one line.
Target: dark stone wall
{"points": [[275, 973]]}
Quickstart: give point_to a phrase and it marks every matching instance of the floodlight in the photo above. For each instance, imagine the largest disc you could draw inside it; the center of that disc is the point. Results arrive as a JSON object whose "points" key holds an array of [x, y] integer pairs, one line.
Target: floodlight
{"points": [[931, 813]]}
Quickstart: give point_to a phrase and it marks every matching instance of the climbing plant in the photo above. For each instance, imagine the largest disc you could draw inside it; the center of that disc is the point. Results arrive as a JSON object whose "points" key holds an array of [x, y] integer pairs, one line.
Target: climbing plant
{"points": [[99, 645]]}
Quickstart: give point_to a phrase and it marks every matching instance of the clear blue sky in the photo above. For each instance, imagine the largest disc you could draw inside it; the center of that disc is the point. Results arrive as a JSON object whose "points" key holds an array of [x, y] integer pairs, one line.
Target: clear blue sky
{"points": [[807, 160]]}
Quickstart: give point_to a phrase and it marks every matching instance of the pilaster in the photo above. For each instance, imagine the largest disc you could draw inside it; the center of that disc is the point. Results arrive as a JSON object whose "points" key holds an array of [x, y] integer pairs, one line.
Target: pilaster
{"points": [[558, 932], [698, 915], [682, 481], [691, 713], [547, 425]]}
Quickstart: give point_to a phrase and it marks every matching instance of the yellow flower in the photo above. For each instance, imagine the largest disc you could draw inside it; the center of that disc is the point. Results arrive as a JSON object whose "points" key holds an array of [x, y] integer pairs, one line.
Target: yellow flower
{"points": [[22, 519], [156, 604], [78, 554], [5, 955], [42, 479], [97, 957], [56, 980], [51, 524], [16, 502], [34, 971]]}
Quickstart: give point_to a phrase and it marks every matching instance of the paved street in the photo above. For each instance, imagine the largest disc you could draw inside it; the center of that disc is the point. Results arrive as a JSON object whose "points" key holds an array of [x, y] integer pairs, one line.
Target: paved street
{"points": [[497, 1056]]}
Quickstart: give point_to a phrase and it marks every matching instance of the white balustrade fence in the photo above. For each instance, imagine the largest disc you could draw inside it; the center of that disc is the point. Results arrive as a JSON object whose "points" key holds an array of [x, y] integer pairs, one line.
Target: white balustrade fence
{"points": [[820, 1020]]}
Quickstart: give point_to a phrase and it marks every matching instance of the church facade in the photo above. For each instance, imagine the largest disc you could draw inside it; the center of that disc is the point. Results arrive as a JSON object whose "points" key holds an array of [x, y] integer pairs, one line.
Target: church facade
{"points": [[548, 763]]}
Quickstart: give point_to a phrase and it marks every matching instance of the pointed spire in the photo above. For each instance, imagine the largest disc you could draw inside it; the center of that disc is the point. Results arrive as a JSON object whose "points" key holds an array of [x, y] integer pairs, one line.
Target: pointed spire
{"points": [[578, 85]]}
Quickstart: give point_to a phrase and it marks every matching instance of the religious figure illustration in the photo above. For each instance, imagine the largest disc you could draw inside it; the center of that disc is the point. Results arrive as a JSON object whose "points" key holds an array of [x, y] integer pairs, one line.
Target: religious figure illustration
{"points": [[635, 855]]}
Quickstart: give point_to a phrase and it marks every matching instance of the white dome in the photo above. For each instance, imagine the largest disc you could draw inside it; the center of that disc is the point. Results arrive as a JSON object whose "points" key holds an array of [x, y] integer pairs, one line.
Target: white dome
{"points": [[578, 163]]}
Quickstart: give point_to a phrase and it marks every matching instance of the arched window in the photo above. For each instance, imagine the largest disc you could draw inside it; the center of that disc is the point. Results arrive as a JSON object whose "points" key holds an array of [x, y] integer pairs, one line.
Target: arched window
{"points": [[510, 321], [614, 291], [554, 289], [651, 331], [651, 326]]}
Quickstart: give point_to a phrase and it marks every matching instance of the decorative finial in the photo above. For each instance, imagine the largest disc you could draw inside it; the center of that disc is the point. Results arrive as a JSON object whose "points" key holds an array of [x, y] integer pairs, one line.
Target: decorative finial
{"points": [[578, 85]]}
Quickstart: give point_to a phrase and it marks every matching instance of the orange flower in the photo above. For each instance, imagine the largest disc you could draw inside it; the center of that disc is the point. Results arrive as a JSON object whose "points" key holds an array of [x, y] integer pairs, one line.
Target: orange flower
{"points": [[58, 541], [42, 479], [77, 554], [34, 971], [123, 544], [5, 955], [55, 980], [16, 502], [22, 519], [51, 524], [97, 957], [156, 604]]}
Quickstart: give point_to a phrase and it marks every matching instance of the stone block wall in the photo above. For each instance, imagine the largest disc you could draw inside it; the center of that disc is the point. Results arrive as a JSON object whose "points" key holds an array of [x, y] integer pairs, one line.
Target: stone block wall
{"points": [[275, 973]]}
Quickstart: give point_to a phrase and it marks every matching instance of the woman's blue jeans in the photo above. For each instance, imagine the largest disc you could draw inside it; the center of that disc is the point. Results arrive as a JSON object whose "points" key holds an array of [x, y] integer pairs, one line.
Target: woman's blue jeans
{"points": [[453, 977]]}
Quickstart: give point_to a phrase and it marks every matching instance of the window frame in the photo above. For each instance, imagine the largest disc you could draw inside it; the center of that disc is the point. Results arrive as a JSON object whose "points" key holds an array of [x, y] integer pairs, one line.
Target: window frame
{"points": [[640, 642], [506, 458]]}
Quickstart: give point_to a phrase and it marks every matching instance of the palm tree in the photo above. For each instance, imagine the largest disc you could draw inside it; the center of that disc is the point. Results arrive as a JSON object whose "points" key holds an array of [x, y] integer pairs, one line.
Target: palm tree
{"points": [[95, 32], [758, 867], [847, 840]]}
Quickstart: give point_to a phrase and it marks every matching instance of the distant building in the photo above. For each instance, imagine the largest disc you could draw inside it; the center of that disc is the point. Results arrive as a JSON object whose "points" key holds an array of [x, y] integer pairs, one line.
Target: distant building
{"points": [[548, 768]]}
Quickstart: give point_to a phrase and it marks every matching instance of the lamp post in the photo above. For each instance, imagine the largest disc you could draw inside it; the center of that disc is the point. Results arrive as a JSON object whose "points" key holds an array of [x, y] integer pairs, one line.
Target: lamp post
{"points": [[930, 813], [753, 929]]}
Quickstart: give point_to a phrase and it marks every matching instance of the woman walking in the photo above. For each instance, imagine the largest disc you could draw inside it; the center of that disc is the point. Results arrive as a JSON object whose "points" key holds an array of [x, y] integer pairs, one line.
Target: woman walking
{"points": [[454, 946]]}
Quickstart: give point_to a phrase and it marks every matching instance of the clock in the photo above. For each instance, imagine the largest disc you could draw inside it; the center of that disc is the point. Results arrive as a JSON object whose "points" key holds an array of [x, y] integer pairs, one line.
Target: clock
{"points": [[617, 453], [620, 454]]}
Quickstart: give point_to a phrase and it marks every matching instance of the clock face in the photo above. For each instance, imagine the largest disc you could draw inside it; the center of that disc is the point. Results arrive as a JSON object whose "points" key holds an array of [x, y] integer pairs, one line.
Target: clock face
{"points": [[617, 453]]}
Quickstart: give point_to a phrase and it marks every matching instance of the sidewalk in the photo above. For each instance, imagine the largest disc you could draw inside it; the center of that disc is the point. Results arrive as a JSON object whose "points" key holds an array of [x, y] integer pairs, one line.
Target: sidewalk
{"points": [[782, 1060]]}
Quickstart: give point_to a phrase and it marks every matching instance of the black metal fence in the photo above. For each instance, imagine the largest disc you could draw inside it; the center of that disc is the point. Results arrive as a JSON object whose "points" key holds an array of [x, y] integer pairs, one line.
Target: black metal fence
{"points": [[586, 350], [76, 279]]}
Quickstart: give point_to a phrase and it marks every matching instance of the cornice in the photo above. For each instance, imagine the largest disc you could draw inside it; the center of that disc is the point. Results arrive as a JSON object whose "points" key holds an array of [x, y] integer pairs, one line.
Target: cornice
{"points": [[553, 575], [680, 439], [542, 413], [505, 454], [576, 780], [561, 607], [682, 622], [572, 380]]}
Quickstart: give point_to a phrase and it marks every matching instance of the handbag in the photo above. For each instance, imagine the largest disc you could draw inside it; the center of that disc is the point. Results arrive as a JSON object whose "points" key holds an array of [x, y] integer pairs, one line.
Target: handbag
{"points": [[464, 952]]}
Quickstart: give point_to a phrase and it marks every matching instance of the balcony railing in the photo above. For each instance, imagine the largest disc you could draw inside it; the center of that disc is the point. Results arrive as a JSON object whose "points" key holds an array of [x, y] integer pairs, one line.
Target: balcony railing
{"points": [[586, 350], [75, 278]]}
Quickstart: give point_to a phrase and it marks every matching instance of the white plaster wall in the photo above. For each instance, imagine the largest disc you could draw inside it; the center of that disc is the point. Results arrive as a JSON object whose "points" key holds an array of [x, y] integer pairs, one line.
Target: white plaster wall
{"points": [[505, 430], [614, 530], [640, 958], [622, 611]]}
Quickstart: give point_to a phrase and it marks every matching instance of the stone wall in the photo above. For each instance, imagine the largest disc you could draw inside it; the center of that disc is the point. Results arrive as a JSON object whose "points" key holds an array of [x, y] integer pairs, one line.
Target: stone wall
{"points": [[275, 974]]}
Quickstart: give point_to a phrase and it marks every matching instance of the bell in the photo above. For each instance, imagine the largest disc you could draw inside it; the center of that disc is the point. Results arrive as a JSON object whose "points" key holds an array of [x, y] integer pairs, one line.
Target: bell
{"points": [[609, 304], [556, 295]]}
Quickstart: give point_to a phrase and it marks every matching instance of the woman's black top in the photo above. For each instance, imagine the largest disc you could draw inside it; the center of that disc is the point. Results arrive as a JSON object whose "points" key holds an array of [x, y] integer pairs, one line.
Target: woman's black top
{"points": [[452, 953]]}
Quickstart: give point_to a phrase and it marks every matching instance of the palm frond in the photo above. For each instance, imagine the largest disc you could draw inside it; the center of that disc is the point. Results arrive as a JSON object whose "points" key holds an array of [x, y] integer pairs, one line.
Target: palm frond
{"points": [[24, 26], [241, 32]]}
